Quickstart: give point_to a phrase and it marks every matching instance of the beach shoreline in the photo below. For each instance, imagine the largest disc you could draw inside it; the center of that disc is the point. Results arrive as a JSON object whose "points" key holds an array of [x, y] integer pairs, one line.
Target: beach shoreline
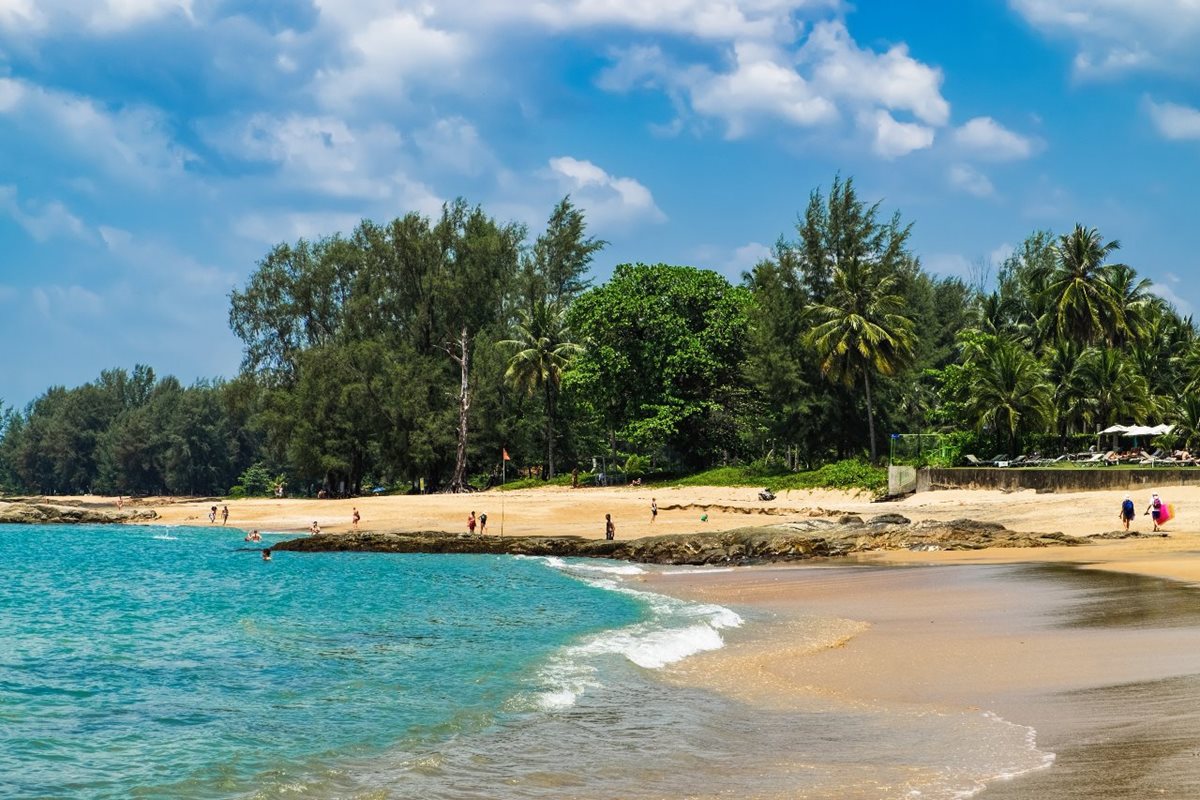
{"points": [[916, 629]]}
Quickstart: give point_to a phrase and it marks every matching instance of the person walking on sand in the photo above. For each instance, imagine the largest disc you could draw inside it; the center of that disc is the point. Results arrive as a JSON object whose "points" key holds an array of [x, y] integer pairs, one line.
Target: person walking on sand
{"points": [[610, 530], [1155, 509], [354, 518], [212, 515], [1127, 511], [471, 523], [482, 523], [224, 515], [653, 510]]}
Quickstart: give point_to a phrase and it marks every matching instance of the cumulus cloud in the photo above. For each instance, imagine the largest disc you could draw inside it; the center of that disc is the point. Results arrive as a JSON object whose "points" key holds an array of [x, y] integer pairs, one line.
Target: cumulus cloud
{"points": [[986, 138], [827, 77], [891, 139], [967, 179], [608, 199], [1174, 121]]}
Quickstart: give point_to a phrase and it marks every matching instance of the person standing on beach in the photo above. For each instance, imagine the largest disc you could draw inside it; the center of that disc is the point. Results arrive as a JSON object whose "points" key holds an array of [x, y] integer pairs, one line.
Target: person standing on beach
{"points": [[354, 519], [575, 478], [482, 523], [653, 510], [212, 515], [224, 515], [610, 530], [1155, 509], [314, 529], [1127, 511], [471, 523]]}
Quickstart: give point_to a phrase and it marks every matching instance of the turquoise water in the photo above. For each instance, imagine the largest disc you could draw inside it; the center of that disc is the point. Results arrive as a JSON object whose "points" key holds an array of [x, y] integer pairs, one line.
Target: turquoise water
{"points": [[136, 664], [153, 662]]}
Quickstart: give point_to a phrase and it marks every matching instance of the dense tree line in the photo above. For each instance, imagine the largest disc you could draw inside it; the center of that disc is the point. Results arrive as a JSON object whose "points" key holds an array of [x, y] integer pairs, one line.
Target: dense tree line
{"points": [[424, 349]]}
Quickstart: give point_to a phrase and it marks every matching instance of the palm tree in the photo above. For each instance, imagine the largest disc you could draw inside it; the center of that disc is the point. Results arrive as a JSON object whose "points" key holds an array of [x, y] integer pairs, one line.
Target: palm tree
{"points": [[1006, 389], [1083, 305], [1138, 306], [1060, 360], [543, 348], [861, 330], [1112, 388]]}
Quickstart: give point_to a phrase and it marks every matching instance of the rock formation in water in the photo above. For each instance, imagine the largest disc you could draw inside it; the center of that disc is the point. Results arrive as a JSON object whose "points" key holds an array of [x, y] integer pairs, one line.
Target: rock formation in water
{"points": [[792, 541], [30, 512]]}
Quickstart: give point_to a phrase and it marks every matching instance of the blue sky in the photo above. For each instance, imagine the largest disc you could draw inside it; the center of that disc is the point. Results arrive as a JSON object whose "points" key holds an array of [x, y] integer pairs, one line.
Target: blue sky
{"points": [[152, 150]]}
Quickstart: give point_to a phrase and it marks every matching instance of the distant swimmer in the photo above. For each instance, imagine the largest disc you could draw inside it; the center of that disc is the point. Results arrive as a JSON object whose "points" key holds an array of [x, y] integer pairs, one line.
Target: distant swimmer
{"points": [[266, 554], [355, 518], [314, 529], [254, 536], [610, 530]]}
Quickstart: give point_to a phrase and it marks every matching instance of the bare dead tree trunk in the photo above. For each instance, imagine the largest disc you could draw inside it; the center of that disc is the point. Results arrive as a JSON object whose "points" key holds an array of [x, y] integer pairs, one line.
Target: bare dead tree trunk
{"points": [[463, 359]]}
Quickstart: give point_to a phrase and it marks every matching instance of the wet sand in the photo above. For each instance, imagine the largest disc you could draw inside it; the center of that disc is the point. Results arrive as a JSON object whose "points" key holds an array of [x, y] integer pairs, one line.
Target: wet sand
{"points": [[1104, 666]]}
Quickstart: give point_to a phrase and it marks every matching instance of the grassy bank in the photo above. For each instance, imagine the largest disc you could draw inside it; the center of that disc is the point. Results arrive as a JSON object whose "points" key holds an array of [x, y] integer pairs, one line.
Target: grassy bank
{"points": [[849, 475]]}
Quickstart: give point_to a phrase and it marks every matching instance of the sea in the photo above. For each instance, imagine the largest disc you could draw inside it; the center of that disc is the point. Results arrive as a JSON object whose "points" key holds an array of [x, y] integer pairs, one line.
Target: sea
{"points": [[174, 662]]}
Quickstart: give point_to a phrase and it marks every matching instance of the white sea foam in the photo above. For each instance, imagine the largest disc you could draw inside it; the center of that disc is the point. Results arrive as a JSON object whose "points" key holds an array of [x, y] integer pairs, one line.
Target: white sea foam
{"points": [[165, 538], [674, 630]]}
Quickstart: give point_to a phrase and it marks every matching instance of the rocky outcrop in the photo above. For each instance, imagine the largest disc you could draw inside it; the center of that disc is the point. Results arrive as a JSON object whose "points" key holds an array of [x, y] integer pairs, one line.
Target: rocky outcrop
{"points": [[792, 541], [37, 513]]}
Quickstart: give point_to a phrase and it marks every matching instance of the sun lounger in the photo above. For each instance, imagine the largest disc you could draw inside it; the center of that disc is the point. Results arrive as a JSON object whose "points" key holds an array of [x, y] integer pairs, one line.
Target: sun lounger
{"points": [[973, 461]]}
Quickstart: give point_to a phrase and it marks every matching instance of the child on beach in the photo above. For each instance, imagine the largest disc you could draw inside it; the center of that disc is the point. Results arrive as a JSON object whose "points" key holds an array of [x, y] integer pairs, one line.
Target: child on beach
{"points": [[610, 530], [1126, 514]]}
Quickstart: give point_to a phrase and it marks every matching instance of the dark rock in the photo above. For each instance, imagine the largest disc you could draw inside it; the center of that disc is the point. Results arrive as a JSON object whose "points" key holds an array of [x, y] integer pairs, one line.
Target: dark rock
{"points": [[36, 513], [792, 541], [889, 519], [850, 519]]}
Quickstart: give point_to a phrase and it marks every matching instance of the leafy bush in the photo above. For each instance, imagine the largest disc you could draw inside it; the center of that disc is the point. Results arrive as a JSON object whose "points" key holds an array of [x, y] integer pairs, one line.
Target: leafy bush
{"points": [[255, 482], [636, 466]]}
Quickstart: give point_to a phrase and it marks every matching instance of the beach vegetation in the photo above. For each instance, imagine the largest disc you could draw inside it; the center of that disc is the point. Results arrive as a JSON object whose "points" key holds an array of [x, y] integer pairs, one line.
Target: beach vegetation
{"points": [[457, 351]]}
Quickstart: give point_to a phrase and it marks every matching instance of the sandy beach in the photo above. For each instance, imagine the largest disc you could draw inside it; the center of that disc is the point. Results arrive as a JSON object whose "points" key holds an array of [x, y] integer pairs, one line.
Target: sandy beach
{"points": [[1072, 642]]}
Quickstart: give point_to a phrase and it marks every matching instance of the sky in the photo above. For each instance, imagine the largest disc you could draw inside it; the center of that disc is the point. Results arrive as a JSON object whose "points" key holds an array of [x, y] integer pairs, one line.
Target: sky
{"points": [[152, 151]]}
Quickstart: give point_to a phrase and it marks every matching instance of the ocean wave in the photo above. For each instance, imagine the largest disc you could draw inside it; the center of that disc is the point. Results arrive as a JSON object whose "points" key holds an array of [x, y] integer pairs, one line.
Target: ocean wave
{"points": [[673, 630]]}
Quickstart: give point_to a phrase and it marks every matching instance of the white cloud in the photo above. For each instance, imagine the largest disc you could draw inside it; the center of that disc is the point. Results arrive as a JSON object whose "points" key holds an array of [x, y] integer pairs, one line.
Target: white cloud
{"points": [[100, 16], [326, 156], [953, 264], [892, 139], [1000, 254], [131, 143], [384, 51], [1174, 121], [1168, 294], [746, 256], [967, 179], [893, 79], [757, 86], [1116, 36], [57, 302], [984, 137], [606, 198], [42, 221], [814, 86], [455, 144]]}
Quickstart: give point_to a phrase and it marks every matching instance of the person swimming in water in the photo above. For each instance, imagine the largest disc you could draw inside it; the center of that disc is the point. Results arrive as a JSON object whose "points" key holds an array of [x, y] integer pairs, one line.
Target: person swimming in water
{"points": [[266, 554]]}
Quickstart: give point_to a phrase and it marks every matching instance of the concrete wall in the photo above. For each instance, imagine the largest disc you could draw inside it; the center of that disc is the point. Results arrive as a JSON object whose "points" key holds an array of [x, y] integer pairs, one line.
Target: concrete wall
{"points": [[1054, 480], [901, 480]]}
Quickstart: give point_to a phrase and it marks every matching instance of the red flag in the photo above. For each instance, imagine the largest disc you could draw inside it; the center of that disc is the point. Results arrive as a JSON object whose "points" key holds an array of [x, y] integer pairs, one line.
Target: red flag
{"points": [[506, 458]]}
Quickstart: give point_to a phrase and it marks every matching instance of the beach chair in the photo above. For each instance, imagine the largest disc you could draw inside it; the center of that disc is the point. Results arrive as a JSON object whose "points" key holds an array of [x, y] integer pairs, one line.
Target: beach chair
{"points": [[973, 461]]}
